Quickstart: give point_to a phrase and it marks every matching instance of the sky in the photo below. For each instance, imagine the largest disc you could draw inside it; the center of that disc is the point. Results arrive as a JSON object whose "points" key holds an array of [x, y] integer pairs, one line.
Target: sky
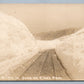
{"points": [[47, 17]]}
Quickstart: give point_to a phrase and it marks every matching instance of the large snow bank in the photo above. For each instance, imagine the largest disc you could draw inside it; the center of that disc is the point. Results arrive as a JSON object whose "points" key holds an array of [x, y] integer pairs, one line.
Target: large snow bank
{"points": [[71, 53], [17, 45]]}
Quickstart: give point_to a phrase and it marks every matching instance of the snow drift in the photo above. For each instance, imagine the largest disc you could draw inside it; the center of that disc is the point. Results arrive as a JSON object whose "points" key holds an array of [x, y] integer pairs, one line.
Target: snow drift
{"points": [[71, 52], [48, 44], [17, 45]]}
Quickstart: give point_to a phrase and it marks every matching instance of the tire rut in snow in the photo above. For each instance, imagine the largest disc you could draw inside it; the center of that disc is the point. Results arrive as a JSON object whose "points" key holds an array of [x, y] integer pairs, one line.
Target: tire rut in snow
{"points": [[59, 68], [46, 65], [35, 67], [47, 69]]}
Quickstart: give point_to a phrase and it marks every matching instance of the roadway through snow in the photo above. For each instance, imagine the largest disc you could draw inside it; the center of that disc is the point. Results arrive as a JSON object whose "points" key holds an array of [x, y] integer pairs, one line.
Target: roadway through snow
{"points": [[46, 67]]}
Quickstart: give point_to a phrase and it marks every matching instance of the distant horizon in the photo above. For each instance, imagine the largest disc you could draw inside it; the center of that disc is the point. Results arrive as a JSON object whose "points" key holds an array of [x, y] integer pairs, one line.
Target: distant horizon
{"points": [[47, 17]]}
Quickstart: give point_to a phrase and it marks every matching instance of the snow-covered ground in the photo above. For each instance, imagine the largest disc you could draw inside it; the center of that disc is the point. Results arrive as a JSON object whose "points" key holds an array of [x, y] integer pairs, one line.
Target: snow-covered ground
{"points": [[17, 45], [71, 53], [48, 44]]}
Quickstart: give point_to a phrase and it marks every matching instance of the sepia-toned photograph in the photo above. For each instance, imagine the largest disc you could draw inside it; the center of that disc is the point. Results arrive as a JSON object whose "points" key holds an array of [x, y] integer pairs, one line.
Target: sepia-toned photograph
{"points": [[41, 42]]}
